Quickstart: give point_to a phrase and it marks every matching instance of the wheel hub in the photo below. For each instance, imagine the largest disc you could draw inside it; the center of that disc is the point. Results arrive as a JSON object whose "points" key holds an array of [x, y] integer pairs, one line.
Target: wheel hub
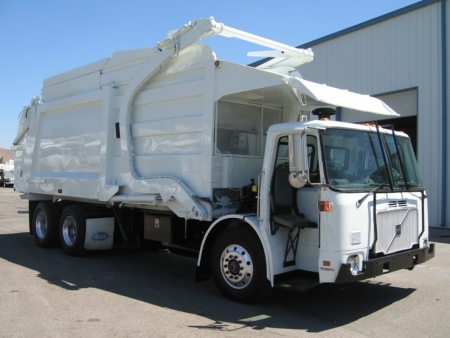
{"points": [[41, 225], [236, 266], [69, 231]]}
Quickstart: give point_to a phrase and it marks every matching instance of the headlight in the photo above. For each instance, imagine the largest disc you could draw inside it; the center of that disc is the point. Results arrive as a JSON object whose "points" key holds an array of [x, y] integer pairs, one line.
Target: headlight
{"points": [[354, 264]]}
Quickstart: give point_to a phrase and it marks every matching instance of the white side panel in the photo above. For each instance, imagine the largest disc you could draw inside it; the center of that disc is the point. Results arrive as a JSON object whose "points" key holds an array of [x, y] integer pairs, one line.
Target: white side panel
{"points": [[107, 184], [125, 59], [169, 122], [79, 85], [308, 203], [238, 171], [93, 67], [308, 250], [169, 144], [65, 144], [18, 157], [232, 78], [170, 125]]}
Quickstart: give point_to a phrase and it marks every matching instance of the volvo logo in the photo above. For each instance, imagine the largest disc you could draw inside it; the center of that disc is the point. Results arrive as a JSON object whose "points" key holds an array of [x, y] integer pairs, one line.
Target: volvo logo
{"points": [[99, 236]]}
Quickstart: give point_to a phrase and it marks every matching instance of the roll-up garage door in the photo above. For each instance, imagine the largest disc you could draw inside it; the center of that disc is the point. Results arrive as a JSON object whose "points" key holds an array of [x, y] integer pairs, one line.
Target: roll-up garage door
{"points": [[403, 102]]}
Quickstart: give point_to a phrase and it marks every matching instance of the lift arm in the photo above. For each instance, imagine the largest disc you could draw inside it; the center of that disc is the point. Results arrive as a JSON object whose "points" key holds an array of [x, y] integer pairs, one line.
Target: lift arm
{"points": [[164, 51], [201, 28]]}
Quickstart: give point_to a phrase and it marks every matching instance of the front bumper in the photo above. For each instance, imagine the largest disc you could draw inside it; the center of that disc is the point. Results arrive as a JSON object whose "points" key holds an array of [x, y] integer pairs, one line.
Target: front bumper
{"points": [[379, 266]]}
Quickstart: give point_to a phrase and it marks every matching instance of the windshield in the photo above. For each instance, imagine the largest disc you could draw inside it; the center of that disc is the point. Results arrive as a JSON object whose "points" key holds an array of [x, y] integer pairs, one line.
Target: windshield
{"points": [[355, 160]]}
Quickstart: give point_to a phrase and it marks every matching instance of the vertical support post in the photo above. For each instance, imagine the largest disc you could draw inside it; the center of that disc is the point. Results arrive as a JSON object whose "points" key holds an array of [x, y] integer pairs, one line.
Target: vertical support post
{"points": [[444, 114]]}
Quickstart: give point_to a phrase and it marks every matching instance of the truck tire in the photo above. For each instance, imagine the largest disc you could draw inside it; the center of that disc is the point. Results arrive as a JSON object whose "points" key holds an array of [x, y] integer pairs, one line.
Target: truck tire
{"points": [[72, 230], [238, 266], [45, 224]]}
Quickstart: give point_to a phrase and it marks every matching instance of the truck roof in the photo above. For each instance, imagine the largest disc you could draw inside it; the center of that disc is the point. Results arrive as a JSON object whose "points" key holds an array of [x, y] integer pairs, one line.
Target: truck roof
{"points": [[118, 58], [325, 124]]}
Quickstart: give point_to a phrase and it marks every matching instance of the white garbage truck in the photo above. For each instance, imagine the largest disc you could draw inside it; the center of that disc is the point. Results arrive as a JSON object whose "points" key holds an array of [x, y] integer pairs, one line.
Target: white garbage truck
{"points": [[2, 165], [173, 147], [8, 173]]}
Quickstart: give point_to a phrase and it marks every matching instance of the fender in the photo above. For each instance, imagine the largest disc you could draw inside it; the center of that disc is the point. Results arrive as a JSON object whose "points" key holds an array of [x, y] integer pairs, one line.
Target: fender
{"points": [[215, 229]]}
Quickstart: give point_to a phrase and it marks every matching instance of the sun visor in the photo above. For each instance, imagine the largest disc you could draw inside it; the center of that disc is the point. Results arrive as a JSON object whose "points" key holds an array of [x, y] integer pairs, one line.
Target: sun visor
{"points": [[340, 98]]}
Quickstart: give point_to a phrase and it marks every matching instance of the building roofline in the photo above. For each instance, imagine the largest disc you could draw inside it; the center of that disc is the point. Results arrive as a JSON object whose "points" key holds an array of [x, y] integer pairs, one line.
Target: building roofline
{"points": [[370, 22], [359, 26]]}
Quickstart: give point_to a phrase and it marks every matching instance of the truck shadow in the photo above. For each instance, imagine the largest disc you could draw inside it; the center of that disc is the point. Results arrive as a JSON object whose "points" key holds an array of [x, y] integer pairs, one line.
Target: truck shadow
{"points": [[439, 235], [167, 280]]}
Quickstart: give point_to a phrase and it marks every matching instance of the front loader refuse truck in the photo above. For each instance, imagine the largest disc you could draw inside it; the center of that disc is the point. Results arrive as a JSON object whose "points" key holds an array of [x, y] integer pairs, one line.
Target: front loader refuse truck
{"points": [[2, 166], [8, 173], [172, 147]]}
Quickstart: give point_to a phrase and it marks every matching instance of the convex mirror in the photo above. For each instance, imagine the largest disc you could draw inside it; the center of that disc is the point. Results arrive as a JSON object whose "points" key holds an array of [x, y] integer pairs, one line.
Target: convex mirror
{"points": [[298, 160]]}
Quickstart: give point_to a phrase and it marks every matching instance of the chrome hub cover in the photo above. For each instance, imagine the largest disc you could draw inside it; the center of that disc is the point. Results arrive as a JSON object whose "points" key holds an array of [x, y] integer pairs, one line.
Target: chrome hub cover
{"points": [[236, 266]]}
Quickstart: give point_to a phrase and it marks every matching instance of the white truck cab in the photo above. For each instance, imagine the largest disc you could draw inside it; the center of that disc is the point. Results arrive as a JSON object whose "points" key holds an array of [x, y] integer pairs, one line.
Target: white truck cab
{"points": [[363, 189]]}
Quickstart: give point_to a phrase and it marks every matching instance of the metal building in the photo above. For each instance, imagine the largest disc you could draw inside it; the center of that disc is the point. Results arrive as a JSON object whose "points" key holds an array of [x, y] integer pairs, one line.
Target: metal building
{"points": [[401, 58]]}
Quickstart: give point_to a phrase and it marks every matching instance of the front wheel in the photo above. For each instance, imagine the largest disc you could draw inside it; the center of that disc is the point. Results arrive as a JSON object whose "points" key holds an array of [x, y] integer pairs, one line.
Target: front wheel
{"points": [[72, 230], [238, 266]]}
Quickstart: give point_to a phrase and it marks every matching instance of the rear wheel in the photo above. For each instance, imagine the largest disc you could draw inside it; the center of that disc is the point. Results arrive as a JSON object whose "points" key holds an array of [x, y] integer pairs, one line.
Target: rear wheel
{"points": [[72, 230], [45, 224], [238, 266]]}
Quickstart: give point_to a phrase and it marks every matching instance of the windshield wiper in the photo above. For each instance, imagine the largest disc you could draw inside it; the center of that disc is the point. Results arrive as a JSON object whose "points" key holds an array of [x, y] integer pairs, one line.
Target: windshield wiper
{"points": [[359, 202], [402, 165], [383, 148]]}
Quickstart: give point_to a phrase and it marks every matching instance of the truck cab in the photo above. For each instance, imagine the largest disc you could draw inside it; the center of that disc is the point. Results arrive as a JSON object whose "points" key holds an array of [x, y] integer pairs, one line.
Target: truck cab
{"points": [[362, 198]]}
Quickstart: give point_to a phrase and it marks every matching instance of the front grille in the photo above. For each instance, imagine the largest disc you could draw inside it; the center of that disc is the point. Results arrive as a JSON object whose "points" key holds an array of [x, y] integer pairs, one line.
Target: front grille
{"points": [[397, 229], [397, 204]]}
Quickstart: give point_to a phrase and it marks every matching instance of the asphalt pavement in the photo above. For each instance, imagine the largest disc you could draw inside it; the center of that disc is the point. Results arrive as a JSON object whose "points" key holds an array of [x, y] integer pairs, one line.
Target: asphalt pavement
{"points": [[128, 292]]}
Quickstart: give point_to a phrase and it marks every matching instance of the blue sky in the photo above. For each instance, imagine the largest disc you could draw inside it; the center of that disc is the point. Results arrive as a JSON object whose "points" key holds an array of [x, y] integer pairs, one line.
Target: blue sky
{"points": [[40, 39]]}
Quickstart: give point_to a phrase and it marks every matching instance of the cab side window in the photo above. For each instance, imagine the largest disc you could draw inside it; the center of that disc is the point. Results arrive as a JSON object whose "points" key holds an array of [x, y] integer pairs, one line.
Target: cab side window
{"points": [[313, 159], [282, 161]]}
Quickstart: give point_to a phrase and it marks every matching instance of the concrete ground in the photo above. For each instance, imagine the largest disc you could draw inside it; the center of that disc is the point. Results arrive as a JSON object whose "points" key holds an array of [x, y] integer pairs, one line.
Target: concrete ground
{"points": [[126, 292]]}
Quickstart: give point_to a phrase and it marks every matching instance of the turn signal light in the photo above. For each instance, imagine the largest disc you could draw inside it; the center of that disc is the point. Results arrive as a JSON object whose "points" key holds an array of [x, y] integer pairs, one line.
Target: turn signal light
{"points": [[326, 263], [324, 206]]}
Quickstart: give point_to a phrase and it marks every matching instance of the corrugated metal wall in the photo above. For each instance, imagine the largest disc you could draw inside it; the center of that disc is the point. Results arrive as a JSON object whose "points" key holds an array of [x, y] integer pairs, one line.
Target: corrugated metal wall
{"points": [[447, 96], [403, 102], [397, 54]]}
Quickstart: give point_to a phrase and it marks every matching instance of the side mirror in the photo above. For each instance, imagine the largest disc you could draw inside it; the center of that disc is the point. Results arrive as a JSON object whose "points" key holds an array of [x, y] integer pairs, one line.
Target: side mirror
{"points": [[298, 161]]}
